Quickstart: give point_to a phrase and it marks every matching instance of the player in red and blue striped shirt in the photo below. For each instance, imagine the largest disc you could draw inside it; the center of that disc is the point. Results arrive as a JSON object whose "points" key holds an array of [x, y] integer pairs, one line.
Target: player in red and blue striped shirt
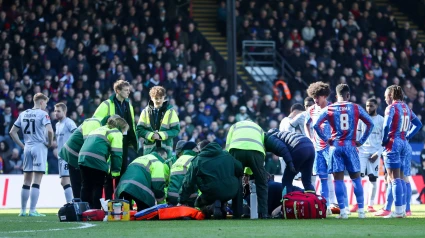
{"points": [[320, 91], [397, 120], [343, 117]]}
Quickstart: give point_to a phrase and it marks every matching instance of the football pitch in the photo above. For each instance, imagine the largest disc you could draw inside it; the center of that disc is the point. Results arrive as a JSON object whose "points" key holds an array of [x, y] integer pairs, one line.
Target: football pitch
{"points": [[13, 226]]}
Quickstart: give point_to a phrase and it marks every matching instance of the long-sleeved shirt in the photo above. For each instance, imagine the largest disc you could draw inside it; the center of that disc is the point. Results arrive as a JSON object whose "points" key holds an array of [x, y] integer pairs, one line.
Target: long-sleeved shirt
{"points": [[397, 121], [373, 143]]}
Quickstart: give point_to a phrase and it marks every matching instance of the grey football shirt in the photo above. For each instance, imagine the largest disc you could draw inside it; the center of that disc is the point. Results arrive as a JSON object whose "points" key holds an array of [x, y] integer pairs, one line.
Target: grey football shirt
{"points": [[33, 123], [64, 130]]}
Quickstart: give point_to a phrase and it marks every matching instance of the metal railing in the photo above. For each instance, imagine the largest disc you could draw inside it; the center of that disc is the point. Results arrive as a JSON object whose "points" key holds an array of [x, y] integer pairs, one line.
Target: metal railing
{"points": [[262, 75], [258, 54]]}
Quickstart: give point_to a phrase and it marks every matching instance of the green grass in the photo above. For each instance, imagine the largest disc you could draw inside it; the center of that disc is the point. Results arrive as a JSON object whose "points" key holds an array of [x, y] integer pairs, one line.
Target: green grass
{"points": [[13, 226]]}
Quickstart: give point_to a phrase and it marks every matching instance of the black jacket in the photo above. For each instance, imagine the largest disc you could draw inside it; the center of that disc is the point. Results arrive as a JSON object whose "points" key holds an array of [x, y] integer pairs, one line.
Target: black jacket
{"points": [[283, 143], [123, 110]]}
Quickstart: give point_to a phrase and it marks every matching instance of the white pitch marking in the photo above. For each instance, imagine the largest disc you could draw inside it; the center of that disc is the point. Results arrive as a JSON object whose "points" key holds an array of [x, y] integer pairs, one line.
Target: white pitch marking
{"points": [[84, 226]]}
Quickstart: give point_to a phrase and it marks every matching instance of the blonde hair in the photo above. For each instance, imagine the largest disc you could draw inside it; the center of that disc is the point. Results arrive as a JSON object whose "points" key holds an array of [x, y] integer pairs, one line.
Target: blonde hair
{"points": [[39, 96], [62, 106], [119, 123]]}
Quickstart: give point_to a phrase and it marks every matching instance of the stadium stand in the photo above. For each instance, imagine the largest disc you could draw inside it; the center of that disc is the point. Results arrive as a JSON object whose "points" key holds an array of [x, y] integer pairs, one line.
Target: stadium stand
{"points": [[75, 50]]}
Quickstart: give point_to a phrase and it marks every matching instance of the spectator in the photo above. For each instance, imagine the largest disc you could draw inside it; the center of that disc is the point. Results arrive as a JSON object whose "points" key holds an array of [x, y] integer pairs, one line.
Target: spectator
{"points": [[143, 44], [308, 32], [5, 151], [242, 115], [222, 18], [205, 118], [207, 61], [14, 163], [7, 119], [410, 91]]}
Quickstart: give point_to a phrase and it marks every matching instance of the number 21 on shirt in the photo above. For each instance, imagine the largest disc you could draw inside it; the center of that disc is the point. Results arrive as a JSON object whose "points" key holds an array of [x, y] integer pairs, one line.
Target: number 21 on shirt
{"points": [[28, 130]]}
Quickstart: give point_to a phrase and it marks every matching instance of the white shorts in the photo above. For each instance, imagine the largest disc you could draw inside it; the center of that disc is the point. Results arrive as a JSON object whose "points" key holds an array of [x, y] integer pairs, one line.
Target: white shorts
{"points": [[366, 167], [63, 168], [35, 158]]}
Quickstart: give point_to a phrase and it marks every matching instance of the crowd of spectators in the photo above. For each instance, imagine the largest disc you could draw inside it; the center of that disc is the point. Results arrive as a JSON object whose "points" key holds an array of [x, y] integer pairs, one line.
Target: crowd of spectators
{"points": [[74, 50], [335, 41]]}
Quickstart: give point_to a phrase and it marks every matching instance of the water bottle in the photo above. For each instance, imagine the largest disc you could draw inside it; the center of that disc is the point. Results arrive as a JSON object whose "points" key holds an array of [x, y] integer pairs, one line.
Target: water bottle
{"points": [[117, 211], [253, 200]]}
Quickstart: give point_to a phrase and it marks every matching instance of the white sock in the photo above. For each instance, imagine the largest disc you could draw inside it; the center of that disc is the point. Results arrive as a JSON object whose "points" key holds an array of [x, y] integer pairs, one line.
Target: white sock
{"points": [[360, 210], [372, 193], [313, 181], [68, 193], [35, 193], [331, 186], [398, 209], [25, 194]]}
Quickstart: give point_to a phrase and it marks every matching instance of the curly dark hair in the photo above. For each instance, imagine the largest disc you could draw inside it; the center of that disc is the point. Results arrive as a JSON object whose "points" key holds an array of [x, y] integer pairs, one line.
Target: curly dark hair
{"points": [[318, 89]]}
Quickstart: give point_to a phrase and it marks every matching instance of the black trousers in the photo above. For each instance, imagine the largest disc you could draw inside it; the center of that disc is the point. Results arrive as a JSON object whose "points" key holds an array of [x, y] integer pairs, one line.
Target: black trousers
{"points": [[92, 186], [140, 204], [206, 200], [75, 177], [255, 160], [304, 159], [109, 188]]}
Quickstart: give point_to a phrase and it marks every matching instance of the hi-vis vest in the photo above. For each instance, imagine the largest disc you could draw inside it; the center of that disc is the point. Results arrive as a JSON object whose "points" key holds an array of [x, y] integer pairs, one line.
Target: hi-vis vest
{"points": [[89, 125], [101, 144], [169, 128], [72, 147], [151, 180], [245, 135], [181, 165], [178, 171], [107, 108]]}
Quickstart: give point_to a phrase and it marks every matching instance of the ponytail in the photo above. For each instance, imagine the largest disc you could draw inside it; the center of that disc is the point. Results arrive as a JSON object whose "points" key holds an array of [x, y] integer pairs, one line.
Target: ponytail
{"points": [[118, 123]]}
